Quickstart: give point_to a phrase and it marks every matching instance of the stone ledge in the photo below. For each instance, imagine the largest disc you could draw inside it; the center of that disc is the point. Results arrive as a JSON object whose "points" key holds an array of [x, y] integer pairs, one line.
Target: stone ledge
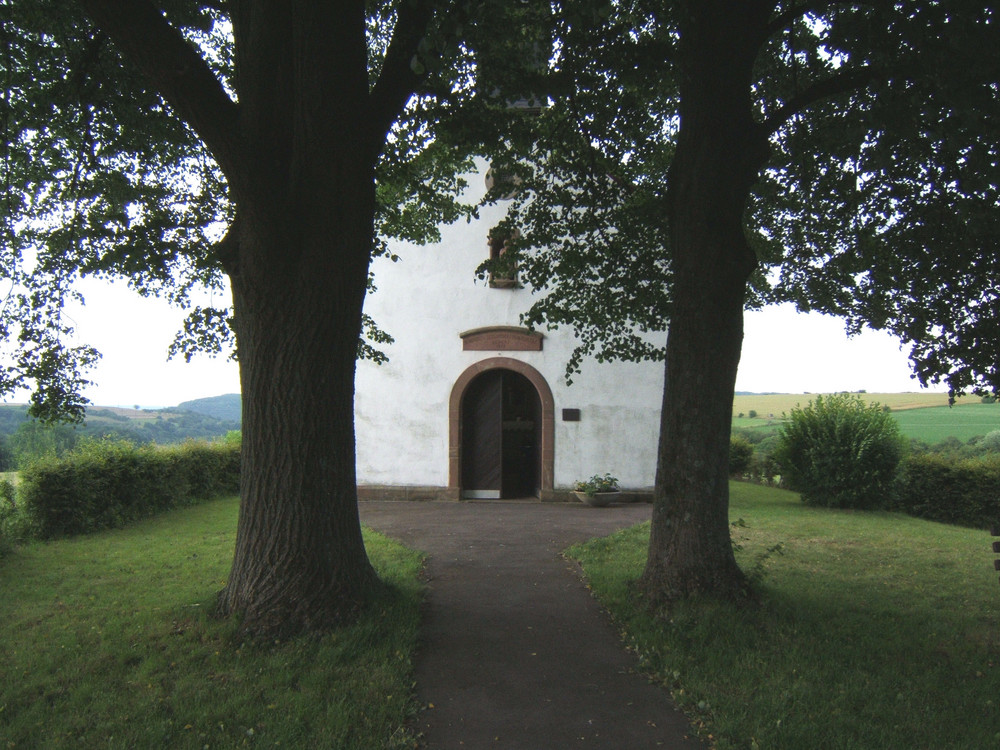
{"points": [[405, 493], [418, 493]]}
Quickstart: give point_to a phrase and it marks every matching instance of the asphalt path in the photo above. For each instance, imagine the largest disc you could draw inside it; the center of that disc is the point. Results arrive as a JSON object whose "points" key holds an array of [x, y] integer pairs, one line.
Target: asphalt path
{"points": [[515, 652]]}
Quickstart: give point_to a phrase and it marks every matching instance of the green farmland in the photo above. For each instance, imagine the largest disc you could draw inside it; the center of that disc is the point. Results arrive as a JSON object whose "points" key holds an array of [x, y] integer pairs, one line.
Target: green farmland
{"points": [[941, 422], [926, 417]]}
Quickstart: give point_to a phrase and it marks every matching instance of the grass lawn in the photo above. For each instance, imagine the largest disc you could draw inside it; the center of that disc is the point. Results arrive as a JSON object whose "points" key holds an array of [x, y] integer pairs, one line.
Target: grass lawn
{"points": [[874, 630], [107, 641]]}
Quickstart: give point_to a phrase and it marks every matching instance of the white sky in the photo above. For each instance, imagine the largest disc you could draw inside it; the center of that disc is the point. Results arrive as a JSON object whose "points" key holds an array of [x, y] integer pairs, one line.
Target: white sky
{"points": [[784, 351]]}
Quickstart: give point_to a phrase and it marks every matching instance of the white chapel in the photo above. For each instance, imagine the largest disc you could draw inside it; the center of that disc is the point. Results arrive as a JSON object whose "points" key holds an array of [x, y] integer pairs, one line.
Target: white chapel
{"points": [[473, 405]]}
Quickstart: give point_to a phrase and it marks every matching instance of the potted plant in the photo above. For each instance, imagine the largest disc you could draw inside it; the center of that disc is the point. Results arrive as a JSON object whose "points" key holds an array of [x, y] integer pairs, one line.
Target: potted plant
{"points": [[598, 490]]}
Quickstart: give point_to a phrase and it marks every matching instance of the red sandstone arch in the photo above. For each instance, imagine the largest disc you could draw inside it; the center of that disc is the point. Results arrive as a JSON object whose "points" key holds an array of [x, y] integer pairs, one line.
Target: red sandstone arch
{"points": [[547, 448]]}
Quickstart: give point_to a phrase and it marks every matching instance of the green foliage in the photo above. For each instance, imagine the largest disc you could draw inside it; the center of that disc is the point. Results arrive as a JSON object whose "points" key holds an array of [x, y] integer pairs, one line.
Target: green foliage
{"points": [[8, 515], [101, 179], [841, 452], [105, 178], [881, 198], [740, 456], [33, 440], [991, 441], [587, 218], [941, 488], [597, 483], [107, 484], [30, 440], [879, 118]]}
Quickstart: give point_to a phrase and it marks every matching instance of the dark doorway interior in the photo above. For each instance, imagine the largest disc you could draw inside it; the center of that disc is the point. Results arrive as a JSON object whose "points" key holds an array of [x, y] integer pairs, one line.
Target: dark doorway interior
{"points": [[501, 434]]}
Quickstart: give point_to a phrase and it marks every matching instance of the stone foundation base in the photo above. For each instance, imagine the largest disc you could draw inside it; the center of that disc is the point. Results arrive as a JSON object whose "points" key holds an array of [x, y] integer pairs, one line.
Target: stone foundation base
{"points": [[415, 493]]}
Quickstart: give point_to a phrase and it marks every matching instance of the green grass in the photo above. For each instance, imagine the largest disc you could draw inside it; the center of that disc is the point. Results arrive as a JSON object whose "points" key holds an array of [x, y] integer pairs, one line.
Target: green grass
{"points": [[938, 423], [108, 641], [930, 424], [874, 630]]}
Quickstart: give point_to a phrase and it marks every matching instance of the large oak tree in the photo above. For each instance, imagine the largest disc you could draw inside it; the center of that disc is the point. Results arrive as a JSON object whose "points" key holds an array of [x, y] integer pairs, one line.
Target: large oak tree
{"points": [[291, 131], [711, 154]]}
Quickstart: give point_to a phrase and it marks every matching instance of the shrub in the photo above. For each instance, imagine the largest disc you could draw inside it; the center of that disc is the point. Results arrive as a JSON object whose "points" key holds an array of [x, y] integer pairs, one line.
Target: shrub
{"points": [[8, 514], [939, 488], [106, 484], [840, 452], [765, 469], [740, 456], [991, 442]]}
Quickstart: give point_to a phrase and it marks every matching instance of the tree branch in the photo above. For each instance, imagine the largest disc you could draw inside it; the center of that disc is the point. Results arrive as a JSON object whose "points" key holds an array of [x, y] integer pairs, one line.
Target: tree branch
{"points": [[397, 81], [840, 83], [783, 20], [175, 69]]}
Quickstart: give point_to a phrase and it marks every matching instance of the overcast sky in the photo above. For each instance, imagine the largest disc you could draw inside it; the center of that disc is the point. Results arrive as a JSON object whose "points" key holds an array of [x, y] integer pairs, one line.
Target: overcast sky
{"points": [[784, 351]]}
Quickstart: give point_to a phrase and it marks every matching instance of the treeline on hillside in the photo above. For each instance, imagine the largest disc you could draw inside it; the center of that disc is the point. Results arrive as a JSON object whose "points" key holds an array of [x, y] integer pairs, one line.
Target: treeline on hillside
{"points": [[23, 439]]}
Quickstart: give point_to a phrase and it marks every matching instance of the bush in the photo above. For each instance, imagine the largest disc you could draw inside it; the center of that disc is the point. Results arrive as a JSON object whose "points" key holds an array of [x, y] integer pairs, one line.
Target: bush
{"points": [[764, 469], [740, 456], [840, 452], [991, 442], [107, 484], [8, 515], [964, 492]]}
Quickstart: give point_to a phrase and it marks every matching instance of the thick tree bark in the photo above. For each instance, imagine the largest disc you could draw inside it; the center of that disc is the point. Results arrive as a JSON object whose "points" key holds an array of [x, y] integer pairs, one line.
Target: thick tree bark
{"points": [[298, 148], [304, 237], [300, 563], [719, 152]]}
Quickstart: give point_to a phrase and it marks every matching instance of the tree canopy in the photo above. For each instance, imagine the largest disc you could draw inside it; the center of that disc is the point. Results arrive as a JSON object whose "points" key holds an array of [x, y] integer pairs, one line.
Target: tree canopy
{"points": [[691, 157], [104, 176], [877, 200]]}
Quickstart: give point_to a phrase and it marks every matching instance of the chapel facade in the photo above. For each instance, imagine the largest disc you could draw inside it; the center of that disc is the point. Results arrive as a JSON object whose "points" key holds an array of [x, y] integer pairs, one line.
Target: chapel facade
{"points": [[472, 405]]}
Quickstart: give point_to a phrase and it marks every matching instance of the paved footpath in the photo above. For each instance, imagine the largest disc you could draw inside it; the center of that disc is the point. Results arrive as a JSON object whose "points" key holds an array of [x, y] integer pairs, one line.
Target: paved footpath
{"points": [[515, 652]]}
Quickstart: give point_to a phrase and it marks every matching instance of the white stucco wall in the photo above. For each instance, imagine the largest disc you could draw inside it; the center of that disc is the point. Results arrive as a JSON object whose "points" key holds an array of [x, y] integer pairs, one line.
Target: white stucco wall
{"points": [[425, 301]]}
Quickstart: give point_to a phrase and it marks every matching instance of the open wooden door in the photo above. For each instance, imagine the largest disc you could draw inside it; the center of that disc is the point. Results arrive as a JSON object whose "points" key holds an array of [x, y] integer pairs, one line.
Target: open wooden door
{"points": [[501, 437]]}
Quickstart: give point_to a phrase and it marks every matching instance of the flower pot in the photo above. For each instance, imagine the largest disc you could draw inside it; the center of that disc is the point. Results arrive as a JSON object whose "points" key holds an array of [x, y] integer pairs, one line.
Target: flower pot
{"points": [[598, 499]]}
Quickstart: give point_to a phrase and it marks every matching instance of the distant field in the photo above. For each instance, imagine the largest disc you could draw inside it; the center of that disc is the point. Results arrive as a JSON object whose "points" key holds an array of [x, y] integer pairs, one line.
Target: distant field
{"points": [[779, 403], [924, 416], [962, 422]]}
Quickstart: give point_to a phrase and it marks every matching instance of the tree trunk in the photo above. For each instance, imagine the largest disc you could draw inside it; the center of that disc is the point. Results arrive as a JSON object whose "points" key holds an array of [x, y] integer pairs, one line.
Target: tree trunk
{"points": [[298, 147], [719, 152], [300, 563], [303, 239]]}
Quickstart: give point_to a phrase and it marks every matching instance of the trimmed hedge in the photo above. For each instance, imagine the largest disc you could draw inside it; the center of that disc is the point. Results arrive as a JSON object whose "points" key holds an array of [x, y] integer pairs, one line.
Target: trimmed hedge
{"points": [[105, 484], [965, 492]]}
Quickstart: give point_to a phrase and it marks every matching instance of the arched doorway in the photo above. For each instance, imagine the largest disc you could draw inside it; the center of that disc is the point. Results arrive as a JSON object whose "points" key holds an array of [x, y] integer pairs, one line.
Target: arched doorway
{"points": [[501, 431]]}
